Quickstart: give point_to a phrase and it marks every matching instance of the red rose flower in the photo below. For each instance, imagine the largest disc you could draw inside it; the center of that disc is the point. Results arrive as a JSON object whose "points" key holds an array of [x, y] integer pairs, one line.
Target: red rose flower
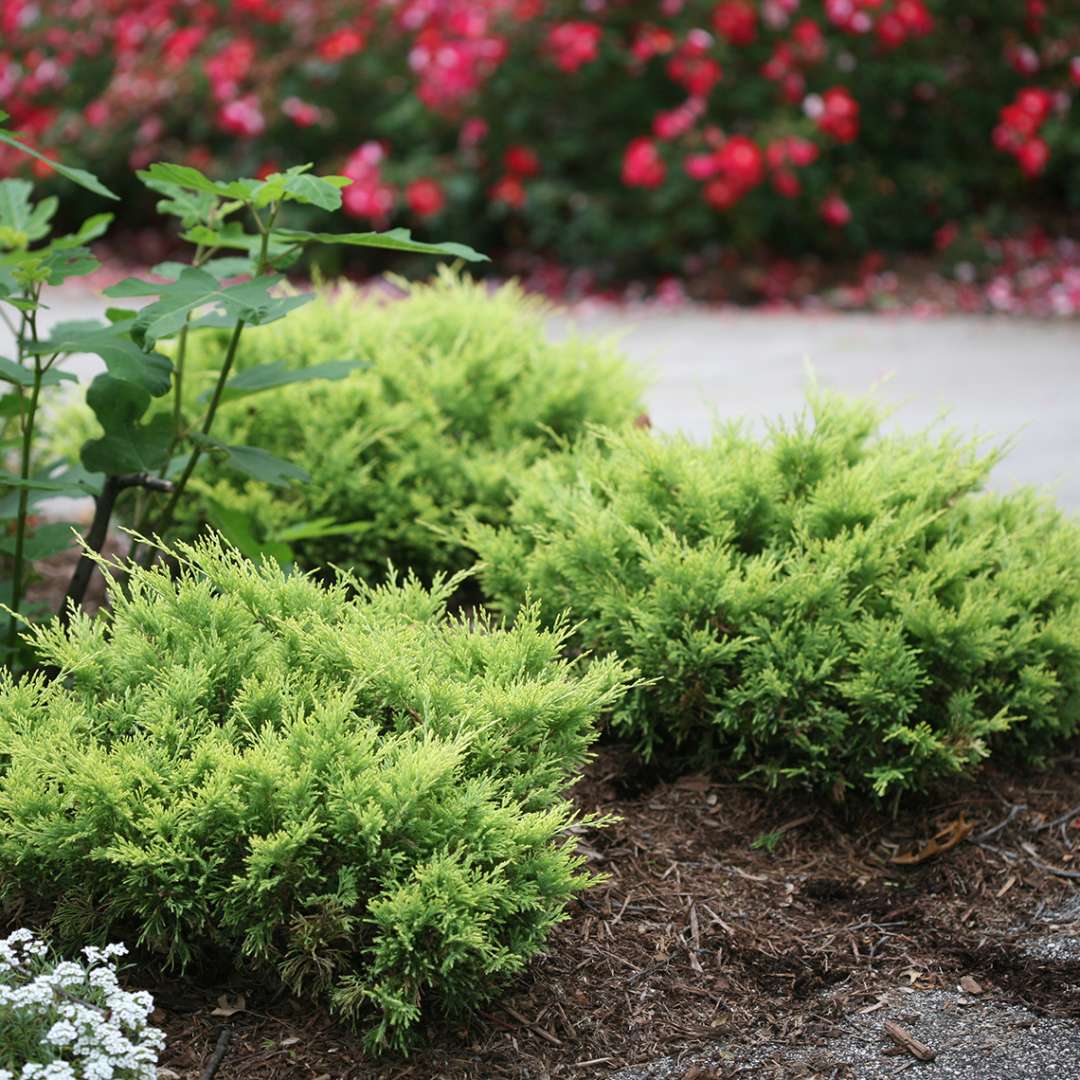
{"points": [[509, 190], [835, 212], [521, 161], [1032, 157], [574, 44], [425, 197], [642, 165], [736, 22]]}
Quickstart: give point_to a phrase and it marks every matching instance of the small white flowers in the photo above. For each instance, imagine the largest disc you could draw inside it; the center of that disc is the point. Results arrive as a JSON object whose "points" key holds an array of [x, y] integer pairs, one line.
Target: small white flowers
{"points": [[72, 1020]]}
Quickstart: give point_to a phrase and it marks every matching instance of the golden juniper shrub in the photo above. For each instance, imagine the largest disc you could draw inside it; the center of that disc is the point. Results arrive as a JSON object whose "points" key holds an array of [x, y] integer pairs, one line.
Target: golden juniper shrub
{"points": [[360, 796], [464, 391], [827, 606]]}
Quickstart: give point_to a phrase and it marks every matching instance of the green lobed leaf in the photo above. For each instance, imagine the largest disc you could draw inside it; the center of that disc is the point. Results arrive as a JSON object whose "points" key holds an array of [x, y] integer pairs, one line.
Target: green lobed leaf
{"points": [[297, 185], [191, 207], [256, 463], [179, 177], [235, 526], [226, 267], [233, 235], [21, 376], [76, 176], [91, 229], [113, 343], [270, 376], [60, 263], [127, 445], [195, 289], [394, 240], [45, 540], [21, 222], [40, 483]]}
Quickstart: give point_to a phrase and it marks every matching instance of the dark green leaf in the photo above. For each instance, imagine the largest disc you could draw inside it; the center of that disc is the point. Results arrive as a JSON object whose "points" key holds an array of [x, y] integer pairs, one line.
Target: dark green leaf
{"points": [[178, 177], [269, 376], [394, 240], [91, 229], [320, 527], [21, 376], [254, 462], [195, 289], [127, 445], [227, 267], [296, 185], [60, 263], [233, 236], [49, 539], [76, 176], [236, 528], [125, 360], [40, 483], [24, 222], [191, 207]]}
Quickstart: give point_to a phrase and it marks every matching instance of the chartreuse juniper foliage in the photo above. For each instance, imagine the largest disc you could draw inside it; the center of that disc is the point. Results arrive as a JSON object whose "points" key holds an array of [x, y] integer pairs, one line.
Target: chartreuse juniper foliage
{"points": [[357, 795], [829, 606], [462, 390]]}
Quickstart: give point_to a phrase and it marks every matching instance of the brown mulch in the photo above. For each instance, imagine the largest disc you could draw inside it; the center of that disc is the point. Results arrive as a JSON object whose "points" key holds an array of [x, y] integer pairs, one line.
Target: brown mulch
{"points": [[726, 915]]}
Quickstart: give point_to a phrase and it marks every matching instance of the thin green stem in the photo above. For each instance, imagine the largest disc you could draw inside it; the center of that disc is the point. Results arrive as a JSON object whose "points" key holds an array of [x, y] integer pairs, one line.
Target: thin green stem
{"points": [[27, 421], [165, 520], [168, 511]]}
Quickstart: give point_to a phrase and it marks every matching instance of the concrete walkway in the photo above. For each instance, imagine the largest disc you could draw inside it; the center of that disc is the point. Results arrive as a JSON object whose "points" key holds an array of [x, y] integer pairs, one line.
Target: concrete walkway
{"points": [[997, 377]]}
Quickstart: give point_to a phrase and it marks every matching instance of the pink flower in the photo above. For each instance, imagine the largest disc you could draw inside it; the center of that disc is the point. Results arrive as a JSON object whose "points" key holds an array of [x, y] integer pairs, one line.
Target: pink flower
{"points": [[736, 22], [521, 161], [425, 197], [574, 44], [510, 191], [1032, 157], [642, 165], [301, 113], [341, 44], [242, 117], [835, 212]]}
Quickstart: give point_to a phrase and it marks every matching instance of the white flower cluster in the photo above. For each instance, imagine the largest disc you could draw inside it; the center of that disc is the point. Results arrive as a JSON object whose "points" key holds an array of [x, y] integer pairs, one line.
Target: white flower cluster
{"points": [[69, 1020]]}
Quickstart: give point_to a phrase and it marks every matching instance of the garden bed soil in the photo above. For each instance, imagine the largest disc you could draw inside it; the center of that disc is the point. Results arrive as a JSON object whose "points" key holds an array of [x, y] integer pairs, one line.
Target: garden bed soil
{"points": [[741, 933]]}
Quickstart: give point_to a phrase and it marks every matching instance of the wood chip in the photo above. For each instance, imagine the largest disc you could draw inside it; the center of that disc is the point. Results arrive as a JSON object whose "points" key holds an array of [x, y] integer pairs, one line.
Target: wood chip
{"points": [[970, 985], [227, 1006], [903, 1038], [1005, 888], [945, 839]]}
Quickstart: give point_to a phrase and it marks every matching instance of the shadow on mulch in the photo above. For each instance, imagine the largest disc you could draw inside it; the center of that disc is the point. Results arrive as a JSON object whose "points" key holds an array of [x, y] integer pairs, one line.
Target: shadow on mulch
{"points": [[726, 914]]}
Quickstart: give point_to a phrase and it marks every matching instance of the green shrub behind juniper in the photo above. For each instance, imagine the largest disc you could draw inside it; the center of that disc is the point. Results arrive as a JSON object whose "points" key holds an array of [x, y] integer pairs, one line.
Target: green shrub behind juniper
{"points": [[360, 797], [465, 390], [827, 606]]}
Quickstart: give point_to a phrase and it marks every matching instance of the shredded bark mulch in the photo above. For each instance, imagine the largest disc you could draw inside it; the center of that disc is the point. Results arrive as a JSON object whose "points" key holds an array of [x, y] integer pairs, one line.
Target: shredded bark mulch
{"points": [[730, 916]]}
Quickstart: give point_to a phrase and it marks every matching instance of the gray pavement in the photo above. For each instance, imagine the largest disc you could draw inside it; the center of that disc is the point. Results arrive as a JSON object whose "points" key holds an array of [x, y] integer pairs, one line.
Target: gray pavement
{"points": [[994, 376]]}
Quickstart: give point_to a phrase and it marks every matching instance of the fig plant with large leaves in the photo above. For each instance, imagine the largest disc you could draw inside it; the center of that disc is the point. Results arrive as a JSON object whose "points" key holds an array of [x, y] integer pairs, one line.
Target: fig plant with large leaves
{"points": [[233, 280]]}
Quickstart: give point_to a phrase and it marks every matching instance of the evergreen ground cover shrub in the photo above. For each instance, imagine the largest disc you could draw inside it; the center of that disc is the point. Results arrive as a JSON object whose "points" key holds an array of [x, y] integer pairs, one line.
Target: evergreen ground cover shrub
{"points": [[829, 606], [359, 797], [464, 390]]}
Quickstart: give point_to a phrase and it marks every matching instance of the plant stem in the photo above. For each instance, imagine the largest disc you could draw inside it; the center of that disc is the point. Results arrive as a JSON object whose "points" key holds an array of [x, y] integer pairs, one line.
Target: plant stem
{"points": [[166, 517], [27, 421], [165, 520], [99, 530]]}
